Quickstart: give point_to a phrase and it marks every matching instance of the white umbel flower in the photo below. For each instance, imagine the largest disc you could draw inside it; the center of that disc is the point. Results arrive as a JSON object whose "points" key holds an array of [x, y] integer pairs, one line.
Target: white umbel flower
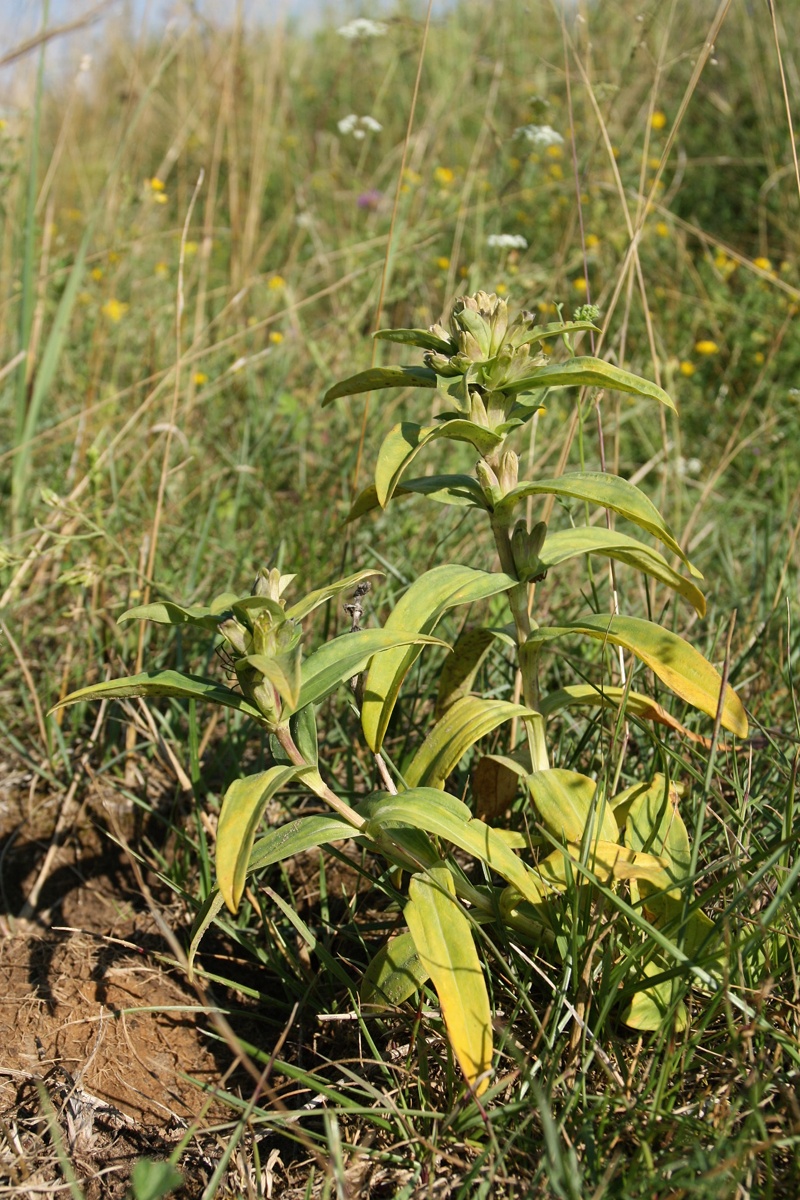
{"points": [[362, 27], [507, 241], [358, 126], [540, 135]]}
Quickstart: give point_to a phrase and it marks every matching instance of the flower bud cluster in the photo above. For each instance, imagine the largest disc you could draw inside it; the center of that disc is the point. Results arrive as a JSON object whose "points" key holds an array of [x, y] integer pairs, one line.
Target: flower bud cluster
{"points": [[483, 347]]}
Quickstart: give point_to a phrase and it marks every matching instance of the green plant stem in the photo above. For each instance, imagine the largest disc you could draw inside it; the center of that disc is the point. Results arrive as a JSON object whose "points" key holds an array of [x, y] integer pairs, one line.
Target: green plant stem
{"points": [[315, 780]]}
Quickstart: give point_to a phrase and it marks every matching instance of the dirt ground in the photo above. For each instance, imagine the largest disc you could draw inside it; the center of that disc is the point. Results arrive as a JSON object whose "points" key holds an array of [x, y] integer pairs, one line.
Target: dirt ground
{"points": [[103, 1055]]}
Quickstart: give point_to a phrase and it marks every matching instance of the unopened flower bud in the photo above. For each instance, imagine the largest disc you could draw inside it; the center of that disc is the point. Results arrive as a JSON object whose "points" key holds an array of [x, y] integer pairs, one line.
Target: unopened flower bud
{"points": [[235, 635], [488, 481], [509, 471]]}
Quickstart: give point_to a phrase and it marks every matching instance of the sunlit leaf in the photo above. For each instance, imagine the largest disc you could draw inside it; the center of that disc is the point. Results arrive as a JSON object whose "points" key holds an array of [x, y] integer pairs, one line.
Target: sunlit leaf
{"points": [[443, 938], [394, 974], [495, 784], [347, 655], [419, 608], [304, 833], [677, 664], [607, 861], [241, 812], [606, 491], [164, 612], [164, 683], [587, 695], [655, 1005], [465, 722], [590, 372], [382, 377], [565, 801], [415, 337], [655, 825], [432, 811], [403, 443], [568, 543]]}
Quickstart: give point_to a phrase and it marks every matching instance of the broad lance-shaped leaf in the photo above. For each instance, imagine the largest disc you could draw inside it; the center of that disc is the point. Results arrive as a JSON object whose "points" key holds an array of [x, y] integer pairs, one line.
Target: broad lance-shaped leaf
{"points": [[677, 664], [163, 683], [443, 937], [568, 543], [395, 973], [445, 817], [589, 372], [587, 695], [606, 861], [607, 491], [415, 337], [555, 329], [461, 491], [464, 723], [403, 443], [301, 609], [419, 608], [164, 612], [382, 377], [655, 825], [654, 1005], [241, 812], [566, 803], [347, 655]]}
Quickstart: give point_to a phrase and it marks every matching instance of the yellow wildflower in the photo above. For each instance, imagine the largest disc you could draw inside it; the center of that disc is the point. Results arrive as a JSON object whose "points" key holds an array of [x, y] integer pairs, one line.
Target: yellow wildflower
{"points": [[412, 176], [97, 274], [653, 162], [276, 282], [276, 337], [592, 241], [763, 264], [555, 171], [501, 289], [662, 229], [189, 248], [114, 309], [706, 346], [113, 256], [161, 270], [443, 262], [758, 358], [579, 284], [554, 151], [200, 378], [160, 197], [156, 185], [444, 176], [658, 120], [688, 369]]}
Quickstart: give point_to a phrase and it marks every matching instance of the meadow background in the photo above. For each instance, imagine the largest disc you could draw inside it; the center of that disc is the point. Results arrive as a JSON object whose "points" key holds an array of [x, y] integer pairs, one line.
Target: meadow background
{"points": [[195, 244]]}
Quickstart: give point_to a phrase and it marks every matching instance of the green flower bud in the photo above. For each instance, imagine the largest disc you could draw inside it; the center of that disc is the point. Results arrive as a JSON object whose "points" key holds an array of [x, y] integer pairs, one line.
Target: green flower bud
{"points": [[441, 364], [509, 471], [488, 481], [236, 635]]}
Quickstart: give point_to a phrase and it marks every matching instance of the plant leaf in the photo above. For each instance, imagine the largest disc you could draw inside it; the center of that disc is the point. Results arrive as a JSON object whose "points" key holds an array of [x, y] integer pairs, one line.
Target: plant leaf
{"points": [[460, 668], [565, 801], [607, 860], [404, 441], [495, 783], [649, 1008], [347, 655], [460, 491], [164, 683], [554, 329], [589, 372], [567, 543], [164, 612], [465, 722], [421, 606], [443, 937], [432, 810], [242, 809], [677, 664], [578, 695], [300, 610], [304, 833], [415, 337], [382, 377], [607, 491], [655, 825], [394, 974]]}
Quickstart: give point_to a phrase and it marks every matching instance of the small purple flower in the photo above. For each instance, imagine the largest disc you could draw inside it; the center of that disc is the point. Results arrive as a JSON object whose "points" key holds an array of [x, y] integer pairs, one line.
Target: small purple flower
{"points": [[370, 200]]}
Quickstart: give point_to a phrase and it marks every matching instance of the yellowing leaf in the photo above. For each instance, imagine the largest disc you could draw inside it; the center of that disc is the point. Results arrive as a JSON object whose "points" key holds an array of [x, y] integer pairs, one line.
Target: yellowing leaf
{"points": [[443, 938], [464, 723], [674, 661], [565, 802], [242, 809], [394, 974]]}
